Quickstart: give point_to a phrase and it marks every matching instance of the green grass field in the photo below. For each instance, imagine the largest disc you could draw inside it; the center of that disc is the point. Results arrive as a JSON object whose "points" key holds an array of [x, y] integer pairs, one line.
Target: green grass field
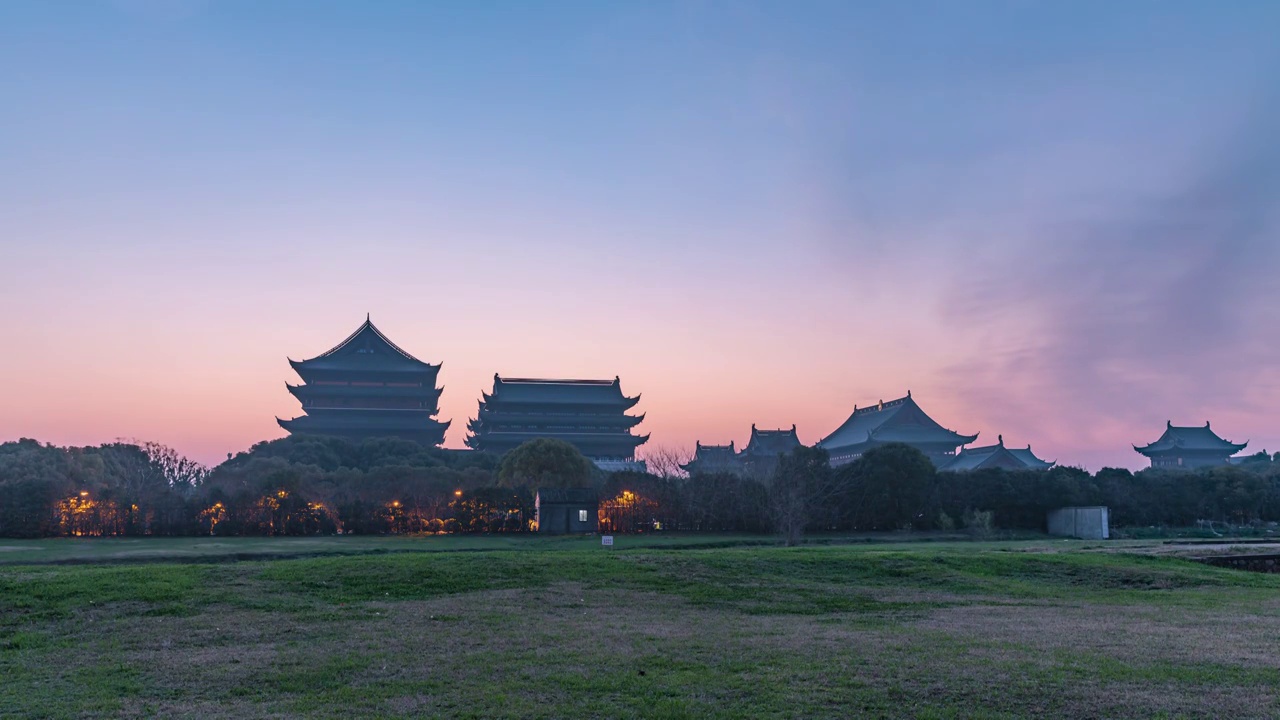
{"points": [[658, 627]]}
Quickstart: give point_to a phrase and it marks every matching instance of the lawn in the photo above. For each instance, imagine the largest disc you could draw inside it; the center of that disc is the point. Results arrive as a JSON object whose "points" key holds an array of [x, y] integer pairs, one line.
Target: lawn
{"points": [[529, 627]]}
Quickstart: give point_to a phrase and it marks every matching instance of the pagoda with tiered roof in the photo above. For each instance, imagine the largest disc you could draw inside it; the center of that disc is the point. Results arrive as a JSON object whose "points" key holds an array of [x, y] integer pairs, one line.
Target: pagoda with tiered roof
{"points": [[367, 387], [896, 421], [589, 414]]}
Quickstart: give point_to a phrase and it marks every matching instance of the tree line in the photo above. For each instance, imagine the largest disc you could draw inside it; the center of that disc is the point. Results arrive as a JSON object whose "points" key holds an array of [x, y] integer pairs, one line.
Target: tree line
{"points": [[306, 486]]}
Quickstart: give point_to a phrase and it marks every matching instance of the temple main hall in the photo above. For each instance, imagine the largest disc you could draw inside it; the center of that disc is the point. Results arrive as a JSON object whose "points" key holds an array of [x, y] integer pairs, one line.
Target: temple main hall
{"points": [[589, 414]]}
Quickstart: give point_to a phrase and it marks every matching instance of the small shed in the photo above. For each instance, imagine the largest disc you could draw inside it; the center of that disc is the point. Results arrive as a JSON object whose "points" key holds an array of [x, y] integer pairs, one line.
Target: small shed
{"points": [[1086, 523], [564, 511]]}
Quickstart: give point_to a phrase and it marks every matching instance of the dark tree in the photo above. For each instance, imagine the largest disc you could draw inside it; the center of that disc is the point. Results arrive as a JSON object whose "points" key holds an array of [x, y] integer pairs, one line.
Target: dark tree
{"points": [[890, 487], [801, 488], [545, 462]]}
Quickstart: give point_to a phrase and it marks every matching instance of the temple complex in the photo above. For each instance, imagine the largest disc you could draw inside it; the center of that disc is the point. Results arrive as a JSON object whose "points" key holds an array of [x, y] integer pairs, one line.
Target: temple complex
{"points": [[1189, 447], [366, 387], [896, 421], [996, 456], [589, 414]]}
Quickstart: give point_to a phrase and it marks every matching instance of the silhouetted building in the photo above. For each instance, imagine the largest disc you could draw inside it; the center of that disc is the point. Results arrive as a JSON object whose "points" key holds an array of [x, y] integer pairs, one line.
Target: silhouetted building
{"points": [[589, 414], [711, 459], [1189, 447], [563, 511], [996, 456], [760, 456], [365, 387], [896, 421]]}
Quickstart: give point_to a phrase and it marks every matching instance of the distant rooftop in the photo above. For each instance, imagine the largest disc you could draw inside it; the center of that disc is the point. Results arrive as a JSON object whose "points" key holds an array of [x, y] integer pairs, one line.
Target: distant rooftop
{"points": [[1190, 438]]}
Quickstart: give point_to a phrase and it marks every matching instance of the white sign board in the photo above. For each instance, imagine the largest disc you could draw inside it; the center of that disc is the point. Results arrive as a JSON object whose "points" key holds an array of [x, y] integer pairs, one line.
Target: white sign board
{"points": [[606, 540]]}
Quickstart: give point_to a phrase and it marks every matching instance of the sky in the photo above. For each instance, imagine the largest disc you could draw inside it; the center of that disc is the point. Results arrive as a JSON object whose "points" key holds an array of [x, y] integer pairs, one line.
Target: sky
{"points": [[1056, 222]]}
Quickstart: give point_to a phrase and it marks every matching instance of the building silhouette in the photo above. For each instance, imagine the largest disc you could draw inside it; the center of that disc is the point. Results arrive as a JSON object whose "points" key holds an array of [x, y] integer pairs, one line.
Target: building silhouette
{"points": [[1189, 447], [760, 457], [589, 414], [367, 386], [712, 459], [996, 456], [896, 421]]}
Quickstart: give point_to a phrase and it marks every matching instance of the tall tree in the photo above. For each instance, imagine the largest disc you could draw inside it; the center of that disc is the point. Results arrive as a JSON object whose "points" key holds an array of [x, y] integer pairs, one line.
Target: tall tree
{"points": [[802, 486], [891, 486]]}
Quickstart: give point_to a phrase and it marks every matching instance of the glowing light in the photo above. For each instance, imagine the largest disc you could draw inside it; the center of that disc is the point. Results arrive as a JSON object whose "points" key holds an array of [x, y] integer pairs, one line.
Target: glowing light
{"points": [[457, 493], [84, 493]]}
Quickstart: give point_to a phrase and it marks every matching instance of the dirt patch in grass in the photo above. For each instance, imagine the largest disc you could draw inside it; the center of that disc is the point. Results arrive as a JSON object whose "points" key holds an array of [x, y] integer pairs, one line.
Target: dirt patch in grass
{"points": [[1136, 634]]}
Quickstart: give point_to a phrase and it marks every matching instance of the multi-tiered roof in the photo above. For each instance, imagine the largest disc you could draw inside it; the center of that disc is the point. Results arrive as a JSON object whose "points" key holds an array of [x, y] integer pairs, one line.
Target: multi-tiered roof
{"points": [[367, 386], [896, 421], [590, 414], [996, 456], [1189, 447]]}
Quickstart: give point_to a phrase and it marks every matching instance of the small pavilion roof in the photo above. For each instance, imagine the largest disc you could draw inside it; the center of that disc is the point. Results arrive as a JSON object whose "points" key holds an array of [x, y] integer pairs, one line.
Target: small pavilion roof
{"points": [[768, 443], [709, 457], [990, 456], [702, 452], [1193, 439], [900, 420], [366, 349]]}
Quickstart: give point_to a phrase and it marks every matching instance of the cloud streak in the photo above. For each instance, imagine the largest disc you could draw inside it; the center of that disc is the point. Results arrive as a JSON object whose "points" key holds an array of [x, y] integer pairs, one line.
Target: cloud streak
{"points": [[1157, 305]]}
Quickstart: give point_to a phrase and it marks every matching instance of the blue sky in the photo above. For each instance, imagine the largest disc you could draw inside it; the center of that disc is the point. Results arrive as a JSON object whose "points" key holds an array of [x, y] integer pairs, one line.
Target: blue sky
{"points": [[754, 212]]}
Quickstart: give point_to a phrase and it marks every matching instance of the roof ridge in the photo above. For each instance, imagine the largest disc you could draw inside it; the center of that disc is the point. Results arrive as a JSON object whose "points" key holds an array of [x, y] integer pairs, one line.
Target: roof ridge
{"points": [[881, 405], [368, 323], [554, 381]]}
